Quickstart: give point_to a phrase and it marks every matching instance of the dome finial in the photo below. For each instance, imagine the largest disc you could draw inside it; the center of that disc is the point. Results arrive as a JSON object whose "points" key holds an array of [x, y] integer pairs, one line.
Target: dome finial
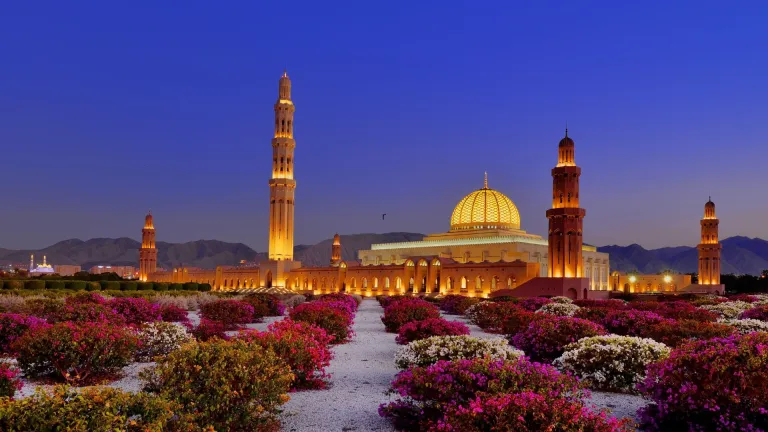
{"points": [[566, 128], [285, 72], [485, 182]]}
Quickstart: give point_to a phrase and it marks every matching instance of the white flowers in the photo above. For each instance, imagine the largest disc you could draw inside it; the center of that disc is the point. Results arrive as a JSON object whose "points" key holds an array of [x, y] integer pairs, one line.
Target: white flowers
{"points": [[561, 299], [745, 326], [559, 309], [612, 363], [728, 310], [428, 351], [159, 339]]}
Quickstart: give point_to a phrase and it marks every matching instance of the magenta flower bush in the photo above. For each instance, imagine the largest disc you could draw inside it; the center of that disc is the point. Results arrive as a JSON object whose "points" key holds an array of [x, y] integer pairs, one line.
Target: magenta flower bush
{"points": [[425, 394], [87, 312], [717, 384], [526, 411], [136, 310], [208, 330], [341, 297], [406, 310], [86, 297], [172, 313], [447, 304], [337, 322], [75, 352], [629, 322], [231, 313], [416, 330], [758, 313], [534, 303], [545, 339], [9, 380], [12, 326]]}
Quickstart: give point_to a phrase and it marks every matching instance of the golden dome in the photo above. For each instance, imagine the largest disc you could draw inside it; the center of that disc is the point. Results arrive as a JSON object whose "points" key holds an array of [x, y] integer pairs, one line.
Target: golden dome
{"points": [[485, 209]]}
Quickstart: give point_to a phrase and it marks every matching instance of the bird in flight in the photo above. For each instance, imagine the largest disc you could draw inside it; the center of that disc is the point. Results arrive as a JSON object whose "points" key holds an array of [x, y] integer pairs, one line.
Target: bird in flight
{"points": [[382, 216]]}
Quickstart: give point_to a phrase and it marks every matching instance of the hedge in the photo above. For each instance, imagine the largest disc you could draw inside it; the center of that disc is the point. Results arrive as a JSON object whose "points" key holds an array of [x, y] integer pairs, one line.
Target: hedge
{"points": [[176, 287], [204, 287], [34, 284], [190, 286], [1, 284], [128, 286], [54, 284], [161, 286], [145, 286], [74, 285]]}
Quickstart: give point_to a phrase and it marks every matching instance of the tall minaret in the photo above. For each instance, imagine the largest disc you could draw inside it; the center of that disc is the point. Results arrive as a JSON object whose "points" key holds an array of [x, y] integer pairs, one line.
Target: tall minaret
{"points": [[148, 251], [336, 251], [31, 262], [565, 216], [282, 185], [709, 248]]}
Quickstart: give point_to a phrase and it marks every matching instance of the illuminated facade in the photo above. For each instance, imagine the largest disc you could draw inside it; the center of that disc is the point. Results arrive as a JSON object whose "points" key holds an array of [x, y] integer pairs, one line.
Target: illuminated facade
{"points": [[709, 248], [649, 283], [148, 251]]}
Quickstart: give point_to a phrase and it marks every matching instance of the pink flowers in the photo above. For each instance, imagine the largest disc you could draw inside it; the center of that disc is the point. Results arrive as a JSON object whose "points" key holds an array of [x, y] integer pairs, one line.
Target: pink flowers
{"points": [[136, 310], [12, 326], [629, 322], [332, 316], [231, 313], [304, 347], [758, 313], [416, 330], [717, 384], [9, 380], [545, 339], [406, 310]]}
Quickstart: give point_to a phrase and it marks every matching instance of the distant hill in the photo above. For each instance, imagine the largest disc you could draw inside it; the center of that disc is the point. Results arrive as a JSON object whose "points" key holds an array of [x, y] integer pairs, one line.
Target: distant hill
{"points": [[200, 253], [740, 254]]}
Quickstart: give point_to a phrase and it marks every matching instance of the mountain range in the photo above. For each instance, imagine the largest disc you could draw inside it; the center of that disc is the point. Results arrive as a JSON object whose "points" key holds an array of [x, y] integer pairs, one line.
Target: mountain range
{"points": [[740, 254]]}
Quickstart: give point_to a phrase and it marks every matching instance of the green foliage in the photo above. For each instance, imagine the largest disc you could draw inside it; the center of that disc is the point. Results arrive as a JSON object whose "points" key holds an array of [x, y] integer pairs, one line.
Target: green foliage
{"points": [[176, 287], [13, 284], [34, 284], [2, 283], [204, 287], [97, 409], [128, 286], [75, 285], [143, 286], [191, 286], [93, 286], [229, 385], [54, 284], [160, 286]]}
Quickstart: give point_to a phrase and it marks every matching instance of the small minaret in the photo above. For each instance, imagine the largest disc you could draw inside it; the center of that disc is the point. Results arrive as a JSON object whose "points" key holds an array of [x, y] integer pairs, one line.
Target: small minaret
{"points": [[282, 185], [709, 248], [336, 251], [565, 216], [148, 251], [31, 262]]}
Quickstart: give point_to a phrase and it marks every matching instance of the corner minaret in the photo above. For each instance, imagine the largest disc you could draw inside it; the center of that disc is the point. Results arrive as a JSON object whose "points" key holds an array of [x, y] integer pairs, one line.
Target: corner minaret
{"points": [[282, 185], [336, 251], [709, 248], [148, 251], [565, 216]]}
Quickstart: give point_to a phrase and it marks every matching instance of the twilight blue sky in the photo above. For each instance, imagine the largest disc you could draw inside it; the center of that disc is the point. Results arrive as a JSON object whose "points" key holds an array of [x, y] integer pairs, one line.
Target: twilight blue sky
{"points": [[108, 109]]}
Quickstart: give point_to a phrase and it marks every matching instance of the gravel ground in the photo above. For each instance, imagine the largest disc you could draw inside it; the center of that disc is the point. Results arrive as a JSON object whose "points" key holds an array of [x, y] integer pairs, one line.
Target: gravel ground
{"points": [[361, 372]]}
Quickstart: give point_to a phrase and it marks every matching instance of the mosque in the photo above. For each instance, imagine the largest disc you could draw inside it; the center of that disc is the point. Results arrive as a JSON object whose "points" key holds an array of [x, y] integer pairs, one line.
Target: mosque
{"points": [[485, 252]]}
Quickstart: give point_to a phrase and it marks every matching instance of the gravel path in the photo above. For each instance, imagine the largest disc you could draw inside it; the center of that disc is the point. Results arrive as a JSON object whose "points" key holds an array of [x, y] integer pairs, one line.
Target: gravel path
{"points": [[361, 372]]}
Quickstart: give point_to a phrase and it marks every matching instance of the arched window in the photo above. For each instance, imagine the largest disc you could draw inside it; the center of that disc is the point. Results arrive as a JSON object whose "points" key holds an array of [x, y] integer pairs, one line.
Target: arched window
{"points": [[398, 283], [463, 283], [478, 283], [365, 282], [354, 283], [375, 283], [386, 283], [493, 282], [410, 284], [449, 284]]}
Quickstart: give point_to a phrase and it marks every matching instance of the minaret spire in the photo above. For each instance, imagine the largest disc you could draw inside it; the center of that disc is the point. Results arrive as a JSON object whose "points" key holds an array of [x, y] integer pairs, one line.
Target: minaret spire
{"points": [[485, 183], [282, 185]]}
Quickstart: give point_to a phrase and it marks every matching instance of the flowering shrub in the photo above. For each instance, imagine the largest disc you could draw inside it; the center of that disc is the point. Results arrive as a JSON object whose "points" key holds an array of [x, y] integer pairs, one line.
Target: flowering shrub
{"points": [[9, 380], [561, 299], [98, 409], [426, 393], [41, 307], [745, 326], [226, 385], [339, 305], [172, 313], [545, 339], [159, 339], [302, 346], [674, 310], [208, 330], [629, 322], [743, 298], [758, 313], [406, 310], [274, 306], [335, 322], [416, 330], [610, 303], [490, 316], [85, 297], [385, 301], [559, 309], [594, 314], [716, 384], [260, 307], [448, 303], [729, 309], [534, 303], [231, 313], [673, 333], [12, 326], [517, 319], [526, 411], [75, 352], [424, 352], [136, 310], [87, 312], [350, 300], [612, 362]]}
